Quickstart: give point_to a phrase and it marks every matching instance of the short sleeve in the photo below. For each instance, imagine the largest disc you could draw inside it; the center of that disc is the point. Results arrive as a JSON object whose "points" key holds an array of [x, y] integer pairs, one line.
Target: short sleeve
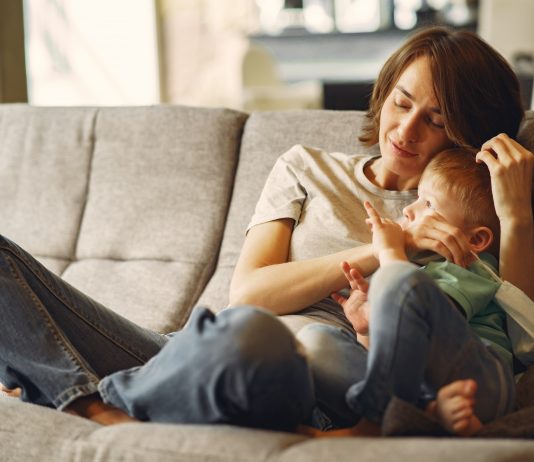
{"points": [[472, 291], [283, 194]]}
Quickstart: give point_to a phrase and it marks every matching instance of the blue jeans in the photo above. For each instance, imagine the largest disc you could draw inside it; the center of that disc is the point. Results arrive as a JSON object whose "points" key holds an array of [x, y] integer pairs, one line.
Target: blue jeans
{"points": [[420, 339], [419, 343], [240, 367], [337, 361]]}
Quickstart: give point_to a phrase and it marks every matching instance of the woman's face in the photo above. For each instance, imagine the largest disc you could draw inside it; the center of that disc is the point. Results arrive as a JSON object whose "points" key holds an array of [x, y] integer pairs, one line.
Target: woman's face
{"points": [[412, 130]]}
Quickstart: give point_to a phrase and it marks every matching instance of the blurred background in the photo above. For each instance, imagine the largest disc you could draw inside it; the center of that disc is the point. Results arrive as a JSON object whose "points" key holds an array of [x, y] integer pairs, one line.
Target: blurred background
{"points": [[242, 54]]}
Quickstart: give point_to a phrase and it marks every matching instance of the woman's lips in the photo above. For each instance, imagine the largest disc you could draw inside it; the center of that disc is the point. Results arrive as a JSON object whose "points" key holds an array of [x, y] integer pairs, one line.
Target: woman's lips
{"points": [[398, 151]]}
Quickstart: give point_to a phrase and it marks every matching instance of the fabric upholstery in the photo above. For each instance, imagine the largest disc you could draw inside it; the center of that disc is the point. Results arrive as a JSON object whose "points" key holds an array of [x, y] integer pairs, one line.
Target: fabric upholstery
{"points": [[159, 189], [29, 432], [44, 165]]}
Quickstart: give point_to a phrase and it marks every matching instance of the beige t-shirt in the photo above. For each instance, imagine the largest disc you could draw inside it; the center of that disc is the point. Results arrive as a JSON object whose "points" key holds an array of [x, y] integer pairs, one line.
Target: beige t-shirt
{"points": [[324, 193]]}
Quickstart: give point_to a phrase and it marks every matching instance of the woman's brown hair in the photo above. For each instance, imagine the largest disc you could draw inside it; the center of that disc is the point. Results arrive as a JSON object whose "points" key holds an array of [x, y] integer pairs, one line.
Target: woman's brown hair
{"points": [[477, 91]]}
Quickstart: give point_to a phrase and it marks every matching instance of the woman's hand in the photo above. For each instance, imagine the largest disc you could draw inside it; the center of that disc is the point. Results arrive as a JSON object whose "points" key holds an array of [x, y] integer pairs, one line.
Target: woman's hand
{"points": [[510, 166], [511, 169], [433, 233]]}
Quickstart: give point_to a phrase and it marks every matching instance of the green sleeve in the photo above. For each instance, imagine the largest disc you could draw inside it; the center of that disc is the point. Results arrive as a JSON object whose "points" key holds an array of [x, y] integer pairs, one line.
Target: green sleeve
{"points": [[471, 288]]}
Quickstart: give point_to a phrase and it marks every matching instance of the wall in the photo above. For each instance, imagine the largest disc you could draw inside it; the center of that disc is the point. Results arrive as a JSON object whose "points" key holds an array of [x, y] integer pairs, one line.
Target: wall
{"points": [[202, 43], [508, 25]]}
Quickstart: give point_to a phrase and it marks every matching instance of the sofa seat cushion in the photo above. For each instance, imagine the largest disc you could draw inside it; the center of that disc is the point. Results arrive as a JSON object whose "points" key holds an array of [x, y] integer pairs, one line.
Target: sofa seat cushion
{"points": [[147, 292], [30, 432]]}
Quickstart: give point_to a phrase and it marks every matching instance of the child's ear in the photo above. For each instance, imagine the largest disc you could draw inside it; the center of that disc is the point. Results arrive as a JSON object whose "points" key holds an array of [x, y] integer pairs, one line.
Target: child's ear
{"points": [[480, 238]]}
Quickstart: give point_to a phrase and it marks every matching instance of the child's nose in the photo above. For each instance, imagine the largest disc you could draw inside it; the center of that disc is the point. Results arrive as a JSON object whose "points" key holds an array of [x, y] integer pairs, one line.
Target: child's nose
{"points": [[408, 212]]}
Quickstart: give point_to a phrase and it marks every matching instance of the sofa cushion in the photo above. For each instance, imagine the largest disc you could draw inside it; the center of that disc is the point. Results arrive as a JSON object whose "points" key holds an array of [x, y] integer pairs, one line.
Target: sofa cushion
{"points": [[159, 188], [45, 155], [30, 432]]}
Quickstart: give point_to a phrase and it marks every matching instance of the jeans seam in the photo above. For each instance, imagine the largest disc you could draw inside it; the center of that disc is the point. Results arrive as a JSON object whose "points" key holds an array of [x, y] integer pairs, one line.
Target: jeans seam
{"points": [[61, 341], [35, 271]]}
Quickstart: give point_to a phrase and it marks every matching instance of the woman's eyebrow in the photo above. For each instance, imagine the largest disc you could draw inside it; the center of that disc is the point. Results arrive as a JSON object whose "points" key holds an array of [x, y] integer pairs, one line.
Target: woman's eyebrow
{"points": [[408, 95]]}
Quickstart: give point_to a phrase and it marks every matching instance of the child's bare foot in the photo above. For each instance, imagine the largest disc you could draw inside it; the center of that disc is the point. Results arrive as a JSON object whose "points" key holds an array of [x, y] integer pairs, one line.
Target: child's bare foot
{"points": [[454, 408], [93, 408]]}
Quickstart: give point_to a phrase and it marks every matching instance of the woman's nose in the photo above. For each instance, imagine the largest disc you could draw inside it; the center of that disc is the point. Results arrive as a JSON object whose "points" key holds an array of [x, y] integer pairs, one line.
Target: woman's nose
{"points": [[409, 128]]}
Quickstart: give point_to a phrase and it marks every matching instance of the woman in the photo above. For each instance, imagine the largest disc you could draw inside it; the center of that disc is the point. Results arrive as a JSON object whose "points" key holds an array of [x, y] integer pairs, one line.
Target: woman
{"points": [[442, 88]]}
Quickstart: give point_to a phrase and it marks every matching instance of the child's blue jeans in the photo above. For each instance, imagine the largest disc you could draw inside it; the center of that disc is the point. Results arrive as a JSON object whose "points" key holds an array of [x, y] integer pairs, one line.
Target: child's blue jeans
{"points": [[419, 342]]}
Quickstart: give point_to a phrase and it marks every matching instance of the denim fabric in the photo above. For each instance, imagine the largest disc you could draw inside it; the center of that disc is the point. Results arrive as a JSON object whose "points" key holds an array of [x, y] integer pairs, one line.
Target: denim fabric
{"points": [[241, 366], [418, 337], [55, 342], [337, 361]]}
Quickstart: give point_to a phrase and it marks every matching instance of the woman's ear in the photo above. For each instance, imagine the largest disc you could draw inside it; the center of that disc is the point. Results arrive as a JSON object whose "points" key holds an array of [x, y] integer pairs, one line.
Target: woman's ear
{"points": [[480, 238]]}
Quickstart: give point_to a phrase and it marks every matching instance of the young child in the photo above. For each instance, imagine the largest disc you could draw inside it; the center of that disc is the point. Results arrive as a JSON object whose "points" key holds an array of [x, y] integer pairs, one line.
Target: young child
{"points": [[458, 189]]}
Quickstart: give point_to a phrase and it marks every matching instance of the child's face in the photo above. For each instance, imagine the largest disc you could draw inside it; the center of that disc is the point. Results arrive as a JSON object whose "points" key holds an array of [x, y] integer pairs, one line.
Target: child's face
{"points": [[433, 198]]}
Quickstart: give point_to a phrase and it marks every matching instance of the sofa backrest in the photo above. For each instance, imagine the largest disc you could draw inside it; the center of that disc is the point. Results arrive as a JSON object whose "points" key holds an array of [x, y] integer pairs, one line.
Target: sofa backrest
{"points": [[127, 204], [131, 205]]}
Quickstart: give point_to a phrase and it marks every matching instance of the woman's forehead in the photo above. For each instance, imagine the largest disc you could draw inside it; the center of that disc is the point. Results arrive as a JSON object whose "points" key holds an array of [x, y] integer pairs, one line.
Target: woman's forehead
{"points": [[416, 80]]}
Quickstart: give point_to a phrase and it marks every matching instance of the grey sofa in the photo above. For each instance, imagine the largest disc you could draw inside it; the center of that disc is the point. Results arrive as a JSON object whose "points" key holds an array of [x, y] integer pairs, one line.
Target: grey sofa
{"points": [[145, 209]]}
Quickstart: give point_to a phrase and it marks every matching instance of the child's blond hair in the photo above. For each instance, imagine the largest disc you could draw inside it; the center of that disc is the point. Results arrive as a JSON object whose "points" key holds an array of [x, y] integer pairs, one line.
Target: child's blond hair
{"points": [[469, 184]]}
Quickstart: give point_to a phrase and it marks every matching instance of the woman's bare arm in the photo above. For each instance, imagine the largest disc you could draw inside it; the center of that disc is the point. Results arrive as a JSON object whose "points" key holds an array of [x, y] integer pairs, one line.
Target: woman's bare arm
{"points": [[511, 168], [264, 277]]}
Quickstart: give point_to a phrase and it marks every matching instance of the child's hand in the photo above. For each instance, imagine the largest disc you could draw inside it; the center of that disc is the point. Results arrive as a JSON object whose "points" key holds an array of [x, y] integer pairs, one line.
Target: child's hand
{"points": [[388, 237], [356, 307]]}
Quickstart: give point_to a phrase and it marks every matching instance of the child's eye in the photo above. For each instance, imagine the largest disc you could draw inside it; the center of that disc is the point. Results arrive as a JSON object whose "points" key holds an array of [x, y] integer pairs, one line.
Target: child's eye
{"points": [[428, 205]]}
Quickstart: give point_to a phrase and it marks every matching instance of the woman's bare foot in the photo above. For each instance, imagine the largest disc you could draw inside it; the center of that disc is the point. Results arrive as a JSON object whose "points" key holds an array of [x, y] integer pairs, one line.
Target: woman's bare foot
{"points": [[12, 392], [454, 408], [93, 408]]}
